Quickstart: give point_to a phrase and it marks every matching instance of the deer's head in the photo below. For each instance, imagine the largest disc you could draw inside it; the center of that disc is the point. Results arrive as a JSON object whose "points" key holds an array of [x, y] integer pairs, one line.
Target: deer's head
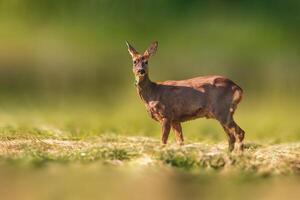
{"points": [[140, 61]]}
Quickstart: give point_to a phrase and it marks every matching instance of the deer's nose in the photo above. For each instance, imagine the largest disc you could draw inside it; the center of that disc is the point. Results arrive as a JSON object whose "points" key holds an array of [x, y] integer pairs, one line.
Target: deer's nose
{"points": [[141, 71]]}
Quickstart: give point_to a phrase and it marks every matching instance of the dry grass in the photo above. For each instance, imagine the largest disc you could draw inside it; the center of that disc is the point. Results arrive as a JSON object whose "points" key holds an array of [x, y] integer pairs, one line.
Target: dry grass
{"points": [[259, 159]]}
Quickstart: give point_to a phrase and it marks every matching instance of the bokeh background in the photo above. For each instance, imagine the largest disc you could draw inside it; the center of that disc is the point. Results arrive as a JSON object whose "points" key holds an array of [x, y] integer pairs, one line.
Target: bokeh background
{"points": [[65, 69]]}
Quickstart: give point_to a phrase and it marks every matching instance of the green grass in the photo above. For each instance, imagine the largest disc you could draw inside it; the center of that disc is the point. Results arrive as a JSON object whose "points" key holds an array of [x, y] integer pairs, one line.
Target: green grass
{"points": [[108, 133], [76, 151], [264, 119], [96, 181]]}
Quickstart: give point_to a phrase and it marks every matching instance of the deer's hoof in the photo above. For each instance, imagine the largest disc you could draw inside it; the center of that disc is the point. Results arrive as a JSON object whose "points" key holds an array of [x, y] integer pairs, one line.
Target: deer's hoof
{"points": [[181, 143], [238, 148], [231, 147], [163, 144]]}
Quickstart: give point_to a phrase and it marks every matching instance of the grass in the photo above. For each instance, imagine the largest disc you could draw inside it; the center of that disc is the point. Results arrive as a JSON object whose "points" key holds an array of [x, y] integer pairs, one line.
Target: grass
{"points": [[96, 181], [119, 167], [84, 132], [258, 159], [264, 119], [76, 151]]}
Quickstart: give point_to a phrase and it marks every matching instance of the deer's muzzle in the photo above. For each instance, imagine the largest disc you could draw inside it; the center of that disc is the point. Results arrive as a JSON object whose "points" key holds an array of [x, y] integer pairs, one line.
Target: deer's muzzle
{"points": [[141, 72]]}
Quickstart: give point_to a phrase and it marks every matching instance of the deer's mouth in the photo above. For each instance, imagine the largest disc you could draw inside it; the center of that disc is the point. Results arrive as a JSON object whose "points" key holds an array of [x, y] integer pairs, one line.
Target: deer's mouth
{"points": [[141, 74], [139, 77]]}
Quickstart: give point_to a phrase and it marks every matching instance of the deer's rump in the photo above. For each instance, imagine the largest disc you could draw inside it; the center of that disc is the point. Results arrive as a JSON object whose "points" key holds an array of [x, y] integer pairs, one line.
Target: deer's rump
{"points": [[208, 96]]}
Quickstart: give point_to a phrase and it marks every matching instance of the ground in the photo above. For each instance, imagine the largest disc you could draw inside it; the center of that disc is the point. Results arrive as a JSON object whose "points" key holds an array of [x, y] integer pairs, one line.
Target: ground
{"points": [[119, 150], [80, 152], [114, 167]]}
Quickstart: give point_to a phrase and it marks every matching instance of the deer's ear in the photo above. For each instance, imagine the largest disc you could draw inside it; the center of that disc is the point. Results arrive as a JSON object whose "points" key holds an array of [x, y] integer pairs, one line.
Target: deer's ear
{"points": [[131, 50], [151, 50]]}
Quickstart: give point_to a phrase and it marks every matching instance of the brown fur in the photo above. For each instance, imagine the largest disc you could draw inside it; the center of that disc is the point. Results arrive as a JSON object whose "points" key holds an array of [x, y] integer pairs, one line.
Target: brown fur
{"points": [[173, 102]]}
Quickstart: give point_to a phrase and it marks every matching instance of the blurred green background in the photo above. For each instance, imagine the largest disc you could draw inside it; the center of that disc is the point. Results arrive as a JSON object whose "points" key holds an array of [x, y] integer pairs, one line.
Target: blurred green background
{"points": [[64, 66]]}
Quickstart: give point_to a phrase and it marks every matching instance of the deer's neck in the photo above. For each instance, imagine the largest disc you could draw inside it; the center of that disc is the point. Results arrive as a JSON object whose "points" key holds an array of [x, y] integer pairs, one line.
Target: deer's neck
{"points": [[146, 89]]}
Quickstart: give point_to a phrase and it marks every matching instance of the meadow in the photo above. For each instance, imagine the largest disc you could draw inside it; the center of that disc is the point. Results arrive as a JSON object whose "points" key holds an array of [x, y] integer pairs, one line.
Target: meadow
{"points": [[75, 151]]}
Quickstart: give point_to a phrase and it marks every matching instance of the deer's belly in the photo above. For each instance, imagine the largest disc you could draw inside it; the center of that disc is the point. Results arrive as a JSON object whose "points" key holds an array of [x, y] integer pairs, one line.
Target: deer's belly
{"points": [[190, 115], [159, 111]]}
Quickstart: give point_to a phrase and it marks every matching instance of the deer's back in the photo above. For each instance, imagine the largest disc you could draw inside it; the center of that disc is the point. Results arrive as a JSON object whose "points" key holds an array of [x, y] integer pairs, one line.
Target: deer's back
{"points": [[192, 98]]}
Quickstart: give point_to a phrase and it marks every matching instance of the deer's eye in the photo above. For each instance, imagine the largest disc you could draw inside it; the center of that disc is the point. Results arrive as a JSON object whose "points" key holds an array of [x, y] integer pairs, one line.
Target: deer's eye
{"points": [[135, 61], [146, 62]]}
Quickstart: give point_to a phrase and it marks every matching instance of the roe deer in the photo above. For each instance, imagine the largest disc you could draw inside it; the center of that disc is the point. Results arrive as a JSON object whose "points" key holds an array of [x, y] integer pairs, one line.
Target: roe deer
{"points": [[173, 102]]}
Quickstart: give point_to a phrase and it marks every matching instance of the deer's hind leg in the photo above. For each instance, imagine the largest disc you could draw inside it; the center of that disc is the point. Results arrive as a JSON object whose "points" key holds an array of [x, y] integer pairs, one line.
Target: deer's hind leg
{"points": [[231, 137], [235, 135], [239, 135], [176, 126], [234, 132]]}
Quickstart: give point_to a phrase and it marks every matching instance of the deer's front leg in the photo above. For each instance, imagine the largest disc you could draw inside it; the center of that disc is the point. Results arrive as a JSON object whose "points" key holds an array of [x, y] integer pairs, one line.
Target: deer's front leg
{"points": [[178, 132], [166, 126]]}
